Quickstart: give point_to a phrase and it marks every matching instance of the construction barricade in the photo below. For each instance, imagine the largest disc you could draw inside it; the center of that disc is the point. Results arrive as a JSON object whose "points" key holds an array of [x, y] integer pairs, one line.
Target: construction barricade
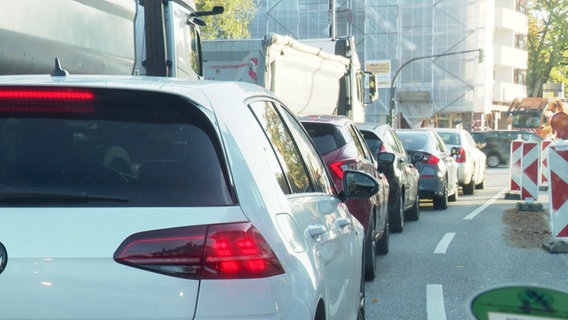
{"points": [[530, 165], [558, 194], [544, 170], [515, 169]]}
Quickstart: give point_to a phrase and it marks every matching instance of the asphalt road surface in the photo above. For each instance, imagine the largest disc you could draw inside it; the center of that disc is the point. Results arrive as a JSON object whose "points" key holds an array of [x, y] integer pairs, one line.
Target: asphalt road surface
{"points": [[438, 263]]}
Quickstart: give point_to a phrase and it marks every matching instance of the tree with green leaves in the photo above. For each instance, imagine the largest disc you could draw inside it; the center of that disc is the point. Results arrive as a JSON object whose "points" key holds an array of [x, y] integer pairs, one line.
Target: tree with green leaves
{"points": [[231, 24], [547, 44]]}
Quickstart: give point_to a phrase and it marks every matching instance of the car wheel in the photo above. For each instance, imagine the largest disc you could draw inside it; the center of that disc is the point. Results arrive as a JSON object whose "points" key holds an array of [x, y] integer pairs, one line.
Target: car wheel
{"points": [[370, 254], [493, 160], [396, 222], [454, 197], [441, 202], [470, 187], [414, 213], [481, 185], [361, 310], [383, 244]]}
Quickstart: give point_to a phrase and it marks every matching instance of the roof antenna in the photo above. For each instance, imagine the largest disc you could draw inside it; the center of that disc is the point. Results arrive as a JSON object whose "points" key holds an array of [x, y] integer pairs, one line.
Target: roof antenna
{"points": [[58, 71]]}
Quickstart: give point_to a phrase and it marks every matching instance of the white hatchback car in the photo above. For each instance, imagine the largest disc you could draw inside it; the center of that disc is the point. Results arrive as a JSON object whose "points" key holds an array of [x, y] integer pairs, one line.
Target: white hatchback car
{"points": [[470, 160], [150, 198]]}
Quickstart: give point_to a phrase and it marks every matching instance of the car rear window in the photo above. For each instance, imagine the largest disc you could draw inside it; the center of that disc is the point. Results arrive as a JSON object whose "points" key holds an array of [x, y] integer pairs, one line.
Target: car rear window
{"points": [[326, 137], [413, 141], [76, 147], [450, 138]]}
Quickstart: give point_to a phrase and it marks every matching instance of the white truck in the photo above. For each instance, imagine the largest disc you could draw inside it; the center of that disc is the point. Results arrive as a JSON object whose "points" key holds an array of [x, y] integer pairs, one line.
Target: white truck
{"points": [[124, 37], [319, 76]]}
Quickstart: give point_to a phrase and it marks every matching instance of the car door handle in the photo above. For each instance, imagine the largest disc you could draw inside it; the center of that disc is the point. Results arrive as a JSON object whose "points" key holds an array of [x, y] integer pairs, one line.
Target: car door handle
{"points": [[342, 222], [316, 230]]}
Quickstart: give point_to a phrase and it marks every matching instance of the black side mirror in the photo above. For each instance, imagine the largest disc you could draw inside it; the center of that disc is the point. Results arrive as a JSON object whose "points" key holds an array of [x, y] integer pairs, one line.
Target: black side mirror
{"points": [[385, 160], [358, 184], [416, 156]]}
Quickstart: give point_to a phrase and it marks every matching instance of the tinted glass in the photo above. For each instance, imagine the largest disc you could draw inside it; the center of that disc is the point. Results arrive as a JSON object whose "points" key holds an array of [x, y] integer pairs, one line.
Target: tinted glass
{"points": [[119, 148], [413, 141], [326, 137], [373, 141], [284, 146]]}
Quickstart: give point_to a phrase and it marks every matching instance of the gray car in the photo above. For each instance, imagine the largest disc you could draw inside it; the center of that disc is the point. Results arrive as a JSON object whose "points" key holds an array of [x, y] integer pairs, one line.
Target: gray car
{"points": [[435, 163]]}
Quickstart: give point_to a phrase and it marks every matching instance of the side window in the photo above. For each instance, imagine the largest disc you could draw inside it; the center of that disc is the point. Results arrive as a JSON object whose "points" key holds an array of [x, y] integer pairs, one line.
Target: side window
{"points": [[360, 143], [440, 144], [399, 145], [283, 145], [315, 164]]}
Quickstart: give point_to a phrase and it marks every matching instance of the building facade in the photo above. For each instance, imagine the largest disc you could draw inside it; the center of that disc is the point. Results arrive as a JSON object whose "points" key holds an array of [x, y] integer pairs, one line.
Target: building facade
{"points": [[455, 63]]}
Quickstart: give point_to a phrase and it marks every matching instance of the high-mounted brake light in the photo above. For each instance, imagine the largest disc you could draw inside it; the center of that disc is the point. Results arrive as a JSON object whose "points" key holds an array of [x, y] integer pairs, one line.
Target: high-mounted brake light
{"points": [[34, 94], [224, 251]]}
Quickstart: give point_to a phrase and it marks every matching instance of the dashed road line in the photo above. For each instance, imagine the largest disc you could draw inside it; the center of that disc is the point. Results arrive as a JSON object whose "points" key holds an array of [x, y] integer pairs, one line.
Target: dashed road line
{"points": [[435, 309], [442, 246], [489, 202]]}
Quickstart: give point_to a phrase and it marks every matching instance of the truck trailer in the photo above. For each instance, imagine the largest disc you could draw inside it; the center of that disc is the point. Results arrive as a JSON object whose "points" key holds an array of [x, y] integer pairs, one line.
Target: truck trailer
{"points": [[123, 37], [310, 79]]}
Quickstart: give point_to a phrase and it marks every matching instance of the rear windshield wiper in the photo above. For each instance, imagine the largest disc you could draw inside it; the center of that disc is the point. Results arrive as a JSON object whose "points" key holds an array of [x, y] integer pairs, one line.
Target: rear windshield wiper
{"points": [[40, 194]]}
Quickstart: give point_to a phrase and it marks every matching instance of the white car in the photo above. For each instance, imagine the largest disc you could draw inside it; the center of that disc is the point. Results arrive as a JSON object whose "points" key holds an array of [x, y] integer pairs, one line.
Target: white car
{"points": [[155, 198], [470, 160]]}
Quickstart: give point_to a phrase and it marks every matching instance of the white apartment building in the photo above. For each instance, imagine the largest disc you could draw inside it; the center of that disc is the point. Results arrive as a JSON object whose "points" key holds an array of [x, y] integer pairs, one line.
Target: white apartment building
{"points": [[458, 63]]}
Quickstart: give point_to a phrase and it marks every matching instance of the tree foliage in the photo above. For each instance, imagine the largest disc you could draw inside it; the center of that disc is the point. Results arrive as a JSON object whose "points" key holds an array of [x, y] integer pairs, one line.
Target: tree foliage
{"points": [[231, 24], [547, 44]]}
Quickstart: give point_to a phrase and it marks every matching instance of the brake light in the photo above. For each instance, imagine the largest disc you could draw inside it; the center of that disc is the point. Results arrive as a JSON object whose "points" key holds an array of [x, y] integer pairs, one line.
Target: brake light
{"points": [[460, 157], [430, 159], [224, 251], [34, 94], [338, 167]]}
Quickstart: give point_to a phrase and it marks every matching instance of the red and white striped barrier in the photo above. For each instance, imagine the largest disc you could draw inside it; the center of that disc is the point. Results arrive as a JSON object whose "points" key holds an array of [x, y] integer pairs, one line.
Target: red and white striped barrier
{"points": [[530, 165], [557, 191], [515, 164], [544, 170]]}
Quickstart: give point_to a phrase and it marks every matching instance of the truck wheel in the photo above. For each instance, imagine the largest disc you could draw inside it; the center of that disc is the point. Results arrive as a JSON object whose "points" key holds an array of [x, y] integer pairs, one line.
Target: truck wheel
{"points": [[493, 161]]}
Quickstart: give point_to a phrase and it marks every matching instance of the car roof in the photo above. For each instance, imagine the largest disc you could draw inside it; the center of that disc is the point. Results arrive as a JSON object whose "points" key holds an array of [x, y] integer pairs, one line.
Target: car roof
{"points": [[187, 88], [338, 120]]}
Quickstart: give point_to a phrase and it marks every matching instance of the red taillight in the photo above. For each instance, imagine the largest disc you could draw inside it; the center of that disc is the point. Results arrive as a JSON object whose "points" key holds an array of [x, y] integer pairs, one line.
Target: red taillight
{"points": [[225, 251], [338, 167], [430, 159], [460, 157]]}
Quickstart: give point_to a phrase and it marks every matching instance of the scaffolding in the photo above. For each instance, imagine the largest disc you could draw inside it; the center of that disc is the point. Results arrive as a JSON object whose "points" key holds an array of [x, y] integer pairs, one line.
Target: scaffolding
{"points": [[400, 30]]}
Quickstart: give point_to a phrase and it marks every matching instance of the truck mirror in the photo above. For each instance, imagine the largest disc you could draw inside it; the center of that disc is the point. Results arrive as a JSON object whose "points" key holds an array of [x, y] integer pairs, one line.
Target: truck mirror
{"points": [[370, 83]]}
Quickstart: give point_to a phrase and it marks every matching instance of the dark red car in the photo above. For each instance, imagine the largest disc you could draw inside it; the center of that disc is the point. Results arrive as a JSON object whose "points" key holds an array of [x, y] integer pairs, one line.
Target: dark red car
{"points": [[342, 147]]}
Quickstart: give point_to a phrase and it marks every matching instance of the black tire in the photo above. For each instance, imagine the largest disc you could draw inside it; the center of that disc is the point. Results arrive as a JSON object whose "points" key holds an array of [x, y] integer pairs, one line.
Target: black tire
{"points": [[414, 213], [370, 254], [441, 202], [361, 310], [382, 246], [493, 160], [470, 187], [481, 185], [454, 197], [396, 216]]}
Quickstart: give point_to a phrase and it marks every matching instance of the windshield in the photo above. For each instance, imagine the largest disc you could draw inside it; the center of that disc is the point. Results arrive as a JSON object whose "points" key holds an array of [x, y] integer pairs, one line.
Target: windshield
{"points": [[109, 149]]}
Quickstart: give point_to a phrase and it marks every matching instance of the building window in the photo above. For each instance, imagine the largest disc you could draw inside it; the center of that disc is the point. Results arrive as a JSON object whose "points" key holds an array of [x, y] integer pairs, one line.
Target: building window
{"points": [[520, 77]]}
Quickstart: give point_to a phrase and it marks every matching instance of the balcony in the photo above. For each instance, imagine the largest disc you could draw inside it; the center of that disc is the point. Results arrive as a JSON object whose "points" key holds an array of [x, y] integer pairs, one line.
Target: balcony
{"points": [[510, 57], [511, 20], [506, 91]]}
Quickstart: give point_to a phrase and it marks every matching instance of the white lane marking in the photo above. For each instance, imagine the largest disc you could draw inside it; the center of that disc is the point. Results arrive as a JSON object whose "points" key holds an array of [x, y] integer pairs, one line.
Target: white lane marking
{"points": [[435, 302], [442, 246], [477, 211]]}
